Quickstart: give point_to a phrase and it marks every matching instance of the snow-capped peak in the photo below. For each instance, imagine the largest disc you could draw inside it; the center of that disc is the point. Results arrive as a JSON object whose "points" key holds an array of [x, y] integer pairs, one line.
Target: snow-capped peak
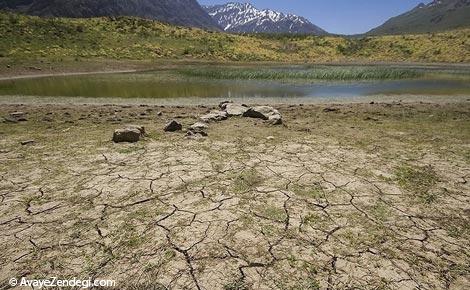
{"points": [[244, 17]]}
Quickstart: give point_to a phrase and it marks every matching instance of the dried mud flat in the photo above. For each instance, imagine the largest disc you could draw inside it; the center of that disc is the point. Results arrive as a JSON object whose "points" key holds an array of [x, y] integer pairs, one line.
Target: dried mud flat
{"points": [[363, 196]]}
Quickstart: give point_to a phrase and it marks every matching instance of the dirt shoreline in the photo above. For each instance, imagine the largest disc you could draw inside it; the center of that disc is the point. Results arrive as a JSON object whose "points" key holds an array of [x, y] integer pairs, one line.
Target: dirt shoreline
{"points": [[42, 75], [190, 102]]}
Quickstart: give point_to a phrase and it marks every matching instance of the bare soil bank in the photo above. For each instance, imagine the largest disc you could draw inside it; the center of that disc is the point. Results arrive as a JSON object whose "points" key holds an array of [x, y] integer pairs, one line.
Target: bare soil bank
{"points": [[344, 196]]}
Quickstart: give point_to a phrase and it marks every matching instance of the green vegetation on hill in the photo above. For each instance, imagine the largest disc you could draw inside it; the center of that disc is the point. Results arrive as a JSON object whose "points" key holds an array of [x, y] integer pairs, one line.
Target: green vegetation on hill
{"points": [[134, 38]]}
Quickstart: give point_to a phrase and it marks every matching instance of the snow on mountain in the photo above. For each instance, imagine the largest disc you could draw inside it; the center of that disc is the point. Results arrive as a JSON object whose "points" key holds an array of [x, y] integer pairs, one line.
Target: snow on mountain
{"points": [[245, 18]]}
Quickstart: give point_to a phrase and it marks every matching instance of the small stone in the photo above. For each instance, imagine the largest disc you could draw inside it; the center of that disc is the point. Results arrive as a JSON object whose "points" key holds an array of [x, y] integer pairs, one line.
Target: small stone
{"points": [[195, 135], [329, 109], [199, 126], [224, 104], [126, 135], [27, 142], [9, 119], [159, 113], [173, 126], [114, 119], [19, 116], [197, 129], [270, 138]]}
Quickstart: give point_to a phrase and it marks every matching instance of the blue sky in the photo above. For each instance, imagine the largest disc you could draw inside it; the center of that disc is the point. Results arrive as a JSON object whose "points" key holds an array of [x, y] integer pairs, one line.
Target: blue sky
{"points": [[337, 16]]}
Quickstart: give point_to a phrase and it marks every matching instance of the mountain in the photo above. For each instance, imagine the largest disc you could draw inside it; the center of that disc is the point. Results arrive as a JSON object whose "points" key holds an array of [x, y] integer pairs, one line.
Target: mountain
{"points": [[438, 15], [245, 18], [178, 12]]}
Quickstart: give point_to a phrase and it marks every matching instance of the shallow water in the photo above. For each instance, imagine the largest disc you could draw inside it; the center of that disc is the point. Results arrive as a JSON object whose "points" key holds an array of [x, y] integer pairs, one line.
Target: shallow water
{"points": [[164, 85]]}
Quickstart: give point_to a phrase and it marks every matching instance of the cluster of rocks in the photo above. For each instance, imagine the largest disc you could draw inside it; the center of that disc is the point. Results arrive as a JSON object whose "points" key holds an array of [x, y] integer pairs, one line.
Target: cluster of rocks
{"points": [[226, 110], [230, 109]]}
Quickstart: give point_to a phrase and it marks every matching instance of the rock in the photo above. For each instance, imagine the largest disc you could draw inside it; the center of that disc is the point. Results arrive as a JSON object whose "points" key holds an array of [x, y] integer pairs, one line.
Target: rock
{"points": [[270, 138], [17, 117], [265, 113], [131, 135], [197, 130], [275, 119], [260, 112], [9, 119], [113, 119], [138, 127], [371, 119], [27, 142], [214, 116], [235, 109], [199, 126], [224, 104], [329, 109], [159, 113], [173, 126], [195, 135]]}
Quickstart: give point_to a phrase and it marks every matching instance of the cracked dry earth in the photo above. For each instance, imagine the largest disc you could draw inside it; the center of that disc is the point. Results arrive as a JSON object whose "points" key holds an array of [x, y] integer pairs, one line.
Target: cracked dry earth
{"points": [[360, 196]]}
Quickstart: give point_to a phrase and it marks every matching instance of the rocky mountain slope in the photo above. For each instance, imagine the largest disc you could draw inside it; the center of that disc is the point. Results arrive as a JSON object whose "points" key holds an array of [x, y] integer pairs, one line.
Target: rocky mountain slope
{"points": [[245, 18], [438, 15], [179, 12]]}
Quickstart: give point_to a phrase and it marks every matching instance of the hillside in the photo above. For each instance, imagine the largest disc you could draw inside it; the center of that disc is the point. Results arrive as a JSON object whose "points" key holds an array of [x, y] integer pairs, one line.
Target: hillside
{"points": [[26, 37], [439, 15], [245, 18], [179, 12]]}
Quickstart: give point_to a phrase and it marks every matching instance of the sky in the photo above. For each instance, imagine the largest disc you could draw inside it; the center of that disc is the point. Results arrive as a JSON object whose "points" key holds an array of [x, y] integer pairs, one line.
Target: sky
{"points": [[337, 16]]}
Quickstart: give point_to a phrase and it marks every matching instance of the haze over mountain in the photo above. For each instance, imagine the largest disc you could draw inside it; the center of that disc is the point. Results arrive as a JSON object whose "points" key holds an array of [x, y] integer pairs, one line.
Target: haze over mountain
{"points": [[245, 18], [178, 12], [438, 15]]}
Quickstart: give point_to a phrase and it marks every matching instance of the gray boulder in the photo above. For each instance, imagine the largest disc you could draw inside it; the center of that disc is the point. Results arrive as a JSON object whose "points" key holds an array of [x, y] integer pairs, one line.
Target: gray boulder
{"points": [[130, 135], [138, 127], [275, 119], [235, 109], [214, 116], [265, 113], [173, 126]]}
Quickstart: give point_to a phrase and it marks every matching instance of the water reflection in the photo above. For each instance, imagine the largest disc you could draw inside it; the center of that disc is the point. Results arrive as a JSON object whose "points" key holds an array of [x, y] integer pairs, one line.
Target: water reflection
{"points": [[157, 86]]}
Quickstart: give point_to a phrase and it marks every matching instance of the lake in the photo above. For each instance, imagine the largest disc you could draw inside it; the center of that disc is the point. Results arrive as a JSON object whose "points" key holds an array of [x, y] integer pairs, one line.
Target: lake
{"points": [[161, 84]]}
